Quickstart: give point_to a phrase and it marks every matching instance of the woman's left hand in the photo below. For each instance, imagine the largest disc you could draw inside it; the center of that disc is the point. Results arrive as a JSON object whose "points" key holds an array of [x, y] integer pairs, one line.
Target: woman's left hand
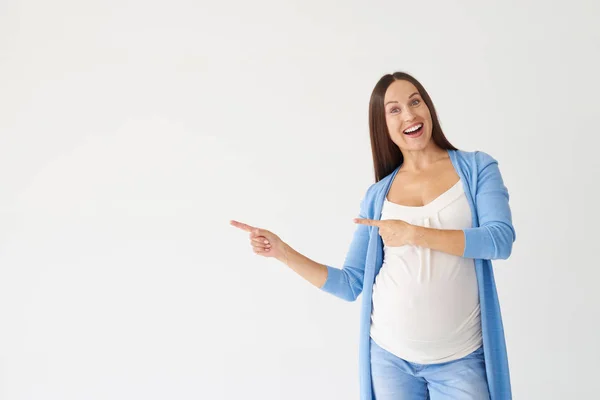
{"points": [[393, 232]]}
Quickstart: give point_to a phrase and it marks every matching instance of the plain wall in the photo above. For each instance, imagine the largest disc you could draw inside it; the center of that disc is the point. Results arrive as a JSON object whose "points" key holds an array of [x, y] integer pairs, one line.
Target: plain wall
{"points": [[131, 132]]}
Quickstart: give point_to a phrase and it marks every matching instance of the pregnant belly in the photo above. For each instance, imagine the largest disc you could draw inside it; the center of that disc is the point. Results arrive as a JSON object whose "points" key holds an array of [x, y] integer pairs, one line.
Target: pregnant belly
{"points": [[426, 312]]}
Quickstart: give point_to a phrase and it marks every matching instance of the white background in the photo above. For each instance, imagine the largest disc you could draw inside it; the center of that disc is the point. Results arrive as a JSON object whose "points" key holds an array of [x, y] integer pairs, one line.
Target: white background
{"points": [[131, 132]]}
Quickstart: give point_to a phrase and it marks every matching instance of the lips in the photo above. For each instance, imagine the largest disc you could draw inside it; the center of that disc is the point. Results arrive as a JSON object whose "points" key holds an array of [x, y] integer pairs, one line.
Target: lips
{"points": [[414, 130]]}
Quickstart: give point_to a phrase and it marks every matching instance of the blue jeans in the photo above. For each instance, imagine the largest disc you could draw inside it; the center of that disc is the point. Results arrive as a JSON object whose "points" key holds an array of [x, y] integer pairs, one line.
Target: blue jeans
{"points": [[397, 379]]}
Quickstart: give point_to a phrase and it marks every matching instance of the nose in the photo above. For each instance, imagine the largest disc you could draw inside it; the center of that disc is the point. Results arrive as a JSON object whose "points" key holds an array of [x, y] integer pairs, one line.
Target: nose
{"points": [[408, 115]]}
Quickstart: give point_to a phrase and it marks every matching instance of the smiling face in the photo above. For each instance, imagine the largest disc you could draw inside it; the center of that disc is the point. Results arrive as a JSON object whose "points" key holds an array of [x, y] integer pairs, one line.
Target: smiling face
{"points": [[407, 116]]}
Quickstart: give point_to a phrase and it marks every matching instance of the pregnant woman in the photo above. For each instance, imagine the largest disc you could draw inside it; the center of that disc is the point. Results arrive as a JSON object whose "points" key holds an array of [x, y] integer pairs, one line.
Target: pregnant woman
{"points": [[426, 233]]}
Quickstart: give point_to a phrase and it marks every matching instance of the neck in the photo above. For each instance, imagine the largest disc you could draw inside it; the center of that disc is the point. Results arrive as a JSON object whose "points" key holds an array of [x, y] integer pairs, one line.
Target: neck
{"points": [[418, 160]]}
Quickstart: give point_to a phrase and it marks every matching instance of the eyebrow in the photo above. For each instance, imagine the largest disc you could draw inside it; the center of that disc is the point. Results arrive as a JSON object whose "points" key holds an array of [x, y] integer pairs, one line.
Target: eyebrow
{"points": [[394, 101]]}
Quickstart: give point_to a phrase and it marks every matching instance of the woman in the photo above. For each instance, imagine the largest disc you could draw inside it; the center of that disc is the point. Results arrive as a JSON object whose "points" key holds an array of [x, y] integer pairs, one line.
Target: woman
{"points": [[421, 255]]}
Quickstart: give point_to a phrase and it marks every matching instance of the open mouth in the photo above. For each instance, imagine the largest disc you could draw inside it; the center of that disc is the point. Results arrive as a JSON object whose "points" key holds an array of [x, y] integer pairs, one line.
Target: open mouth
{"points": [[414, 131]]}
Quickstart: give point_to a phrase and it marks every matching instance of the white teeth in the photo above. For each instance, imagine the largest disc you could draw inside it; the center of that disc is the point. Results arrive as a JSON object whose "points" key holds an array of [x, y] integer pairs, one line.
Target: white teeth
{"points": [[414, 128]]}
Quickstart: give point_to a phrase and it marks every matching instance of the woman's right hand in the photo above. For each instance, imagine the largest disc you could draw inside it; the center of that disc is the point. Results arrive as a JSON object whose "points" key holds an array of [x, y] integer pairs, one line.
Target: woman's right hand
{"points": [[268, 244], [263, 242]]}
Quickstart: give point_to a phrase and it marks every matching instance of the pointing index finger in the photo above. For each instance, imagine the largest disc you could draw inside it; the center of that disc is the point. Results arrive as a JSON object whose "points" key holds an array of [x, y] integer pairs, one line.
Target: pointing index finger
{"points": [[366, 221], [241, 225]]}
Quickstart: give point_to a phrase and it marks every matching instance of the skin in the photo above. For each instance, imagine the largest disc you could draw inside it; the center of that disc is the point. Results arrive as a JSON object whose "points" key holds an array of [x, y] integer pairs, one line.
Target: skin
{"points": [[425, 174], [267, 244]]}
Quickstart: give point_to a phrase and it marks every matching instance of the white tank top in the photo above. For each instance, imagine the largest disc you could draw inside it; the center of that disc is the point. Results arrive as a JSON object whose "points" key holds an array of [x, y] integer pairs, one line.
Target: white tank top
{"points": [[426, 302]]}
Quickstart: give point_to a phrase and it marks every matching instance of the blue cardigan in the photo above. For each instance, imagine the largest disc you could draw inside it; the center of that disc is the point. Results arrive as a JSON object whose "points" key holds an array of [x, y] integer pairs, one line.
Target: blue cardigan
{"points": [[490, 237]]}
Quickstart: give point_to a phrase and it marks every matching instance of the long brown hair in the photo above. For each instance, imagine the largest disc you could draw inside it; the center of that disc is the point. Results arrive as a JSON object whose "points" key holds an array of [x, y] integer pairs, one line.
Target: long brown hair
{"points": [[386, 154]]}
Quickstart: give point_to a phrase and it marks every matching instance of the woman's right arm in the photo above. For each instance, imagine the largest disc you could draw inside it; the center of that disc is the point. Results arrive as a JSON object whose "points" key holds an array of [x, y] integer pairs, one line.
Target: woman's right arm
{"points": [[345, 283], [310, 270]]}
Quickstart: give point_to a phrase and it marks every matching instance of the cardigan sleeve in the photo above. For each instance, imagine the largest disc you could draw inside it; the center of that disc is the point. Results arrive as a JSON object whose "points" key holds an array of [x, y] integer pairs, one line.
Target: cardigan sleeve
{"points": [[347, 282], [494, 237]]}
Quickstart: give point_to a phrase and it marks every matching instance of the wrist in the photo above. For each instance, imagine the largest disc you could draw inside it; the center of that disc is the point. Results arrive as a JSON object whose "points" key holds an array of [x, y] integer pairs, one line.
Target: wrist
{"points": [[285, 253], [415, 233]]}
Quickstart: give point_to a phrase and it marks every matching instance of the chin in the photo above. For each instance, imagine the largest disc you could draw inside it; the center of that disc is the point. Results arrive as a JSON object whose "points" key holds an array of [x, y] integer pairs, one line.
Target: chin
{"points": [[416, 144]]}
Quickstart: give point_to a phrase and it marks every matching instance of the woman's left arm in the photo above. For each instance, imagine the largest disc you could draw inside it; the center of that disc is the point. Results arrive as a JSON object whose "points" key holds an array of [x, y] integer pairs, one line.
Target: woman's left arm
{"points": [[447, 240], [494, 236]]}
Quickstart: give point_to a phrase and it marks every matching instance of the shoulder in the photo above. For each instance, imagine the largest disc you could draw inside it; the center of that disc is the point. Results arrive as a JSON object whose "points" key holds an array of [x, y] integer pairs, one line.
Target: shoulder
{"points": [[476, 160], [373, 189], [376, 187], [372, 193]]}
